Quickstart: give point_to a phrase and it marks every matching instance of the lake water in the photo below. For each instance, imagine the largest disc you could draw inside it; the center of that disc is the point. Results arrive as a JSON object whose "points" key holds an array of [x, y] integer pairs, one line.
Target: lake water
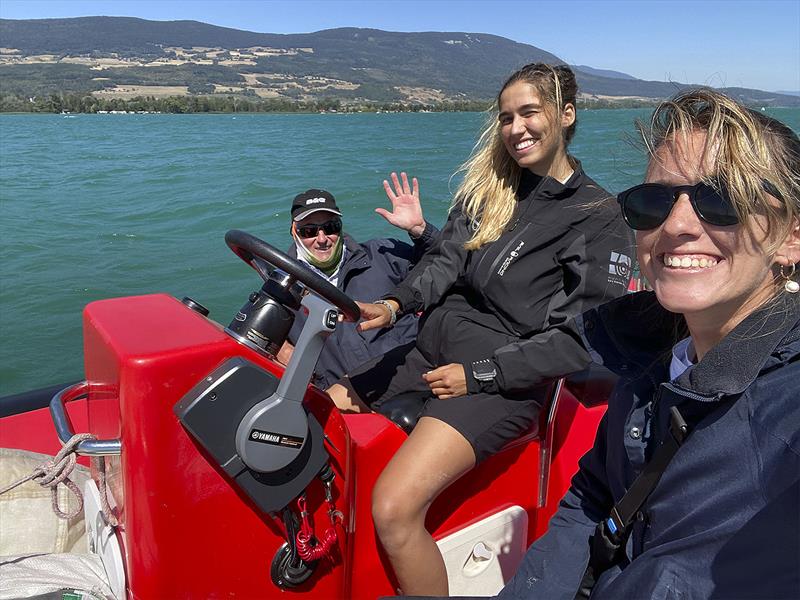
{"points": [[99, 206]]}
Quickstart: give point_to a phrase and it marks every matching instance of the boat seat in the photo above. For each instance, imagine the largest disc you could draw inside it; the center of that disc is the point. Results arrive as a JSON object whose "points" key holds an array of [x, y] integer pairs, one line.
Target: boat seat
{"points": [[404, 410], [42, 555]]}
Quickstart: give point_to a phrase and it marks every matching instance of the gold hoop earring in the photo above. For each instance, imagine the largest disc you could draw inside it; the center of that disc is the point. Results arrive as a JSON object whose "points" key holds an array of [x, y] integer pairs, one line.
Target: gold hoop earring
{"points": [[789, 284]]}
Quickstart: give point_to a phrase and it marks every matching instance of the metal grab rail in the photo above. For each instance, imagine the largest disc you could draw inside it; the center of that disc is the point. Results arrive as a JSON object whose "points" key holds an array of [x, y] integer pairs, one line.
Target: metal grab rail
{"points": [[64, 427]]}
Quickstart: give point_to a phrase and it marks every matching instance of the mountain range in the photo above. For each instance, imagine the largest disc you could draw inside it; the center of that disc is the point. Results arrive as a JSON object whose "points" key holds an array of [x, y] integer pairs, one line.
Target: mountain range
{"points": [[122, 57]]}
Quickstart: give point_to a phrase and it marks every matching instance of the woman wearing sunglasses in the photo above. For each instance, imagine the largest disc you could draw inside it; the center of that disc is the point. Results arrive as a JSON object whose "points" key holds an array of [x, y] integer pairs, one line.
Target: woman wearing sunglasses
{"points": [[364, 270], [530, 241], [709, 395]]}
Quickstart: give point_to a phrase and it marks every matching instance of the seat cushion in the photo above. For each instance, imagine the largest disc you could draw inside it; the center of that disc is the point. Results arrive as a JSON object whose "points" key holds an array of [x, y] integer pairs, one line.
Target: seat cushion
{"points": [[27, 521], [46, 576]]}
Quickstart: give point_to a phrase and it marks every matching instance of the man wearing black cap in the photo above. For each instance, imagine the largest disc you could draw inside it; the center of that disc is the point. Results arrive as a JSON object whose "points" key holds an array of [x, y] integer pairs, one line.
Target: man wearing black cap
{"points": [[317, 232], [364, 271]]}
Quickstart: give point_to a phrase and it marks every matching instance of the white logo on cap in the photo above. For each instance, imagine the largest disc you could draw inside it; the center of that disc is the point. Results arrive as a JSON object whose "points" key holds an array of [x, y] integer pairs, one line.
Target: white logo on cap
{"points": [[314, 201]]}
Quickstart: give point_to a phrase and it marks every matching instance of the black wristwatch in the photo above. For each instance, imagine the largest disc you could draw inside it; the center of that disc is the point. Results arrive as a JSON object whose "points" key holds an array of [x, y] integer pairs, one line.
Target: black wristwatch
{"points": [[483, 370]]}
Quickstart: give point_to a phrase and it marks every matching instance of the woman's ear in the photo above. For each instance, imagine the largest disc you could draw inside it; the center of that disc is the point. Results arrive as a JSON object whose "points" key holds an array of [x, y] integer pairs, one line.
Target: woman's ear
{"points": [[568, 115], [789, 251]]}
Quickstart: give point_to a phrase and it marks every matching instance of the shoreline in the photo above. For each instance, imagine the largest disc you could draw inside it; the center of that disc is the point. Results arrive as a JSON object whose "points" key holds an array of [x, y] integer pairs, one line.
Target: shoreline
{"points": [[74, 104], [307, 112]]}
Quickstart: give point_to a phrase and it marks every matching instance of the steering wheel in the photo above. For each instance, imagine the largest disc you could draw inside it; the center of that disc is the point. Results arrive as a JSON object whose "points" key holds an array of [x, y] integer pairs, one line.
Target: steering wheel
{"points": [[247, 247]]}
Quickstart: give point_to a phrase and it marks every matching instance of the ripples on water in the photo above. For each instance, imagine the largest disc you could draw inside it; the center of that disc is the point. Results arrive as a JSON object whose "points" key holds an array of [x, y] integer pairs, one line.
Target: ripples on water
{"points": [[97, 206]]}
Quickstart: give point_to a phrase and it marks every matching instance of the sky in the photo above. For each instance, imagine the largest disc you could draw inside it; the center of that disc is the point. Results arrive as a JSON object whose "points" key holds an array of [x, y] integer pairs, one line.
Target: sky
{"points": [[722, 43]]}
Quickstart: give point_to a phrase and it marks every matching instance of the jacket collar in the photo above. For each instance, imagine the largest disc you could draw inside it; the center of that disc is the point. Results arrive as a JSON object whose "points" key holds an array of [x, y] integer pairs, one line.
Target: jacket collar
{"points": [[749, 349], [634, 335], [547, 187], [355, 258], [353, 247]]}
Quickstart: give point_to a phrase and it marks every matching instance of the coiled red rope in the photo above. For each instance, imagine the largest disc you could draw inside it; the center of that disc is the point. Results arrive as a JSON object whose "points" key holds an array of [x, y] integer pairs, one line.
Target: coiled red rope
{"points": [[310, 548]]}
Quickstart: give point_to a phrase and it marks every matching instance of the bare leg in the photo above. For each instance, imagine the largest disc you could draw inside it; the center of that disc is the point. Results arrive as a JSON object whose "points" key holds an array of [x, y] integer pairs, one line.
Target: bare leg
{"points": [[432, 458], [345, 397]]}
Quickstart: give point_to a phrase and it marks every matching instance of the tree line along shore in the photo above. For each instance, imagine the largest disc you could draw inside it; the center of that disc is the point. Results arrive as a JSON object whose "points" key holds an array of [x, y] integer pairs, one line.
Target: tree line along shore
{"points": [[86, 103]]}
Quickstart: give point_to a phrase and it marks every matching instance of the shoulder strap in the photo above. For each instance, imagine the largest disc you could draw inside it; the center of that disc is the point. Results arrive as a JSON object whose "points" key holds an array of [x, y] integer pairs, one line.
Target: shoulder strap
{"points": [[607, 545], [625, 510]]}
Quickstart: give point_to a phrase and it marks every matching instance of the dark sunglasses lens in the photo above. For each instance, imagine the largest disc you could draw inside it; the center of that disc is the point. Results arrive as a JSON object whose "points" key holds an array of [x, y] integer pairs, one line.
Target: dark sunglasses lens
{"points": [[714, 206], [331, 227], [307, 231], [646, 206], [328, 228]]}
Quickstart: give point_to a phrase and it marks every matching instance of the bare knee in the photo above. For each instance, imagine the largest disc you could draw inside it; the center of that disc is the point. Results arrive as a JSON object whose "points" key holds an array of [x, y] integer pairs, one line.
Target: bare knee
{"points": [[397, 515]]}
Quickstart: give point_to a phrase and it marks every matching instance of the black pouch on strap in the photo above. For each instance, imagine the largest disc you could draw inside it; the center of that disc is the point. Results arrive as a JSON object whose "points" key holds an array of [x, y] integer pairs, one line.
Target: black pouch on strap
{"points": [[607, 545], [605, 551]]}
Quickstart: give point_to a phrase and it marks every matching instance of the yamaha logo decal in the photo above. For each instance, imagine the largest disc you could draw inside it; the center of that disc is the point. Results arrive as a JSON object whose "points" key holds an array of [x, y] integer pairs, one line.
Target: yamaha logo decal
{"points": [[275, 439]]}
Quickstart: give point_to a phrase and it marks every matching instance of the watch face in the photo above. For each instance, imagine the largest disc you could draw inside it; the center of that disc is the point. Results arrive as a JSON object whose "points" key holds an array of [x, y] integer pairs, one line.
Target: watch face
{"points": [[483, 370]]}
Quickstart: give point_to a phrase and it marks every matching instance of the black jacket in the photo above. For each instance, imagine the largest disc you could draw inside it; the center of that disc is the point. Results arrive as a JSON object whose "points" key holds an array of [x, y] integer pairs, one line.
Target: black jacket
{"points": [[370, 269], [565, 250], [724, 520]]}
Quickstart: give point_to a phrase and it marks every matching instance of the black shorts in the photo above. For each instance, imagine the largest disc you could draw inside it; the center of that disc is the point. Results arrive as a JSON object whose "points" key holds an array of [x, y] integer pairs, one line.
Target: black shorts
{"points": [[487, 421]]}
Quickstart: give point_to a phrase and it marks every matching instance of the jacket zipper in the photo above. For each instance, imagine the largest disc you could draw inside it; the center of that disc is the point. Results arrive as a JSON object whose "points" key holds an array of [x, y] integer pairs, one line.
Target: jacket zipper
{"points": [[531, 196], [503, 254], [690, 395], [529, 199]]}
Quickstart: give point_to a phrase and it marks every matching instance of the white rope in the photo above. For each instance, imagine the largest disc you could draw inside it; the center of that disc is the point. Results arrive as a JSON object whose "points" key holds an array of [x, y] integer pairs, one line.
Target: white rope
{"points": [[57, 470], [105, 508]]}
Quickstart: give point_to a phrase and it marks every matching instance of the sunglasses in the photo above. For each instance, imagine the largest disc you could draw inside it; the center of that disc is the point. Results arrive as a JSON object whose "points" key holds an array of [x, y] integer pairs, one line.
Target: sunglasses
{"points": [[648, 205], [328, 228]]}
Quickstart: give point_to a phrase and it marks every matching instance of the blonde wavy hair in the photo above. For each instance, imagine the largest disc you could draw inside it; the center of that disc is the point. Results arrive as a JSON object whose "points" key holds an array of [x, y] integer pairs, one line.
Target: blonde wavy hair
{"points": [[487, 194], [747, 152]]}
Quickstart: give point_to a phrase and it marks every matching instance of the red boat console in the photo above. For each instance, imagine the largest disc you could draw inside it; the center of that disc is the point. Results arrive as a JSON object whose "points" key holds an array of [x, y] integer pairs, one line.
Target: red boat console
{"points": [[187, 532]]}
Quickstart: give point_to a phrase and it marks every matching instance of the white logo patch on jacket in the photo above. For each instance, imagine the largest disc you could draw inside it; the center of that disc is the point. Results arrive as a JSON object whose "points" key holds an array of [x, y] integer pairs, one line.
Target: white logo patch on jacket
{"points": [[511, 256], [619, 268]]}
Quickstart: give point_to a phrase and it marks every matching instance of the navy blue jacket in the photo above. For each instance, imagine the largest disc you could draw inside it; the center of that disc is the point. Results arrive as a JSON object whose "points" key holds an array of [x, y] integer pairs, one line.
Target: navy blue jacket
{"points": [[724, 520], [370, 269]]}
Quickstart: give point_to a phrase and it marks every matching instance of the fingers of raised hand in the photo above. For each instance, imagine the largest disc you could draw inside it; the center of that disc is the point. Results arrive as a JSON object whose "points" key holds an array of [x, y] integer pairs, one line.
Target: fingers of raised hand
{"points": [[406, 187], [396, 182], [389, 191], [389, 216]]}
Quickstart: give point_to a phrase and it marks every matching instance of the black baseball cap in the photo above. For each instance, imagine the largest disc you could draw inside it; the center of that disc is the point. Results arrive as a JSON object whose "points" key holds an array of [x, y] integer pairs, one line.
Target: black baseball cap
{"points": [[312, 201]]}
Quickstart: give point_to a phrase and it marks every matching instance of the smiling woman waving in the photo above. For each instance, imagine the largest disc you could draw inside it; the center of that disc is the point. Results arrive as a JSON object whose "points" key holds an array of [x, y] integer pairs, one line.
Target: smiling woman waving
{"points": [[530, 241]]}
